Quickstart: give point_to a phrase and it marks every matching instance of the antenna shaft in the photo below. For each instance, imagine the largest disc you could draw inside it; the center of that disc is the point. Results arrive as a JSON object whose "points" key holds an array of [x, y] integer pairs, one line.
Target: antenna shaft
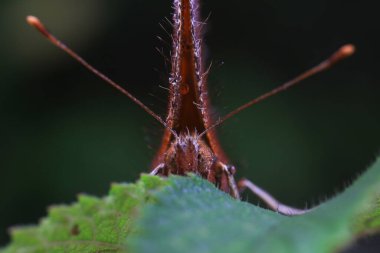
{"points": [[35, 22], [342, 53]]}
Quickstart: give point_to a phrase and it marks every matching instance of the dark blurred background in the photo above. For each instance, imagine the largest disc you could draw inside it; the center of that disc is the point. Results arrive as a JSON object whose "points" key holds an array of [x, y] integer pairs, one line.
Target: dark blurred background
{"points": [[63, 131]]}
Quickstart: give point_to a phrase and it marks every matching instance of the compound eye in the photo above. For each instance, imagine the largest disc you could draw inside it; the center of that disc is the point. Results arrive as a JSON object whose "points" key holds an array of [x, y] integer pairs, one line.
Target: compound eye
{"points": [[231, 169]]}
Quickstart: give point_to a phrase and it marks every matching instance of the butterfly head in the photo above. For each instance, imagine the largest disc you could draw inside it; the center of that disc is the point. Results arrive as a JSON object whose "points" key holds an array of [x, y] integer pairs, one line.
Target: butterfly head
{"points": [[189, 154]]}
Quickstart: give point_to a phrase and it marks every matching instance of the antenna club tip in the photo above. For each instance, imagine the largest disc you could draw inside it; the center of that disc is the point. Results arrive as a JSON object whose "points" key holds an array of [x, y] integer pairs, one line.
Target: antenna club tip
{"points": [[36, 23], [33, 21], [341, 54], [347, 50]]}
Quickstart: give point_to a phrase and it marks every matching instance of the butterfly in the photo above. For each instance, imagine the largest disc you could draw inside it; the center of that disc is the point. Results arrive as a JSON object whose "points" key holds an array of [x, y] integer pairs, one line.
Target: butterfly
{"points": [[189, 143]]}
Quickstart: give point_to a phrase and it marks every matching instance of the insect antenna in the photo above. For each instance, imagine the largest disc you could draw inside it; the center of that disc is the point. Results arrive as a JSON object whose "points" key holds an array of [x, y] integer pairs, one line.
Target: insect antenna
{"points": [[342, 53], [36, 23]]}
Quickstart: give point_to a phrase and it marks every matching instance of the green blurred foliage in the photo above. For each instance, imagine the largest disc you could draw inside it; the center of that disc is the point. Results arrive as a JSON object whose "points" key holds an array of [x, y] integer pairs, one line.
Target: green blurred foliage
{"points": [[61, 126]]}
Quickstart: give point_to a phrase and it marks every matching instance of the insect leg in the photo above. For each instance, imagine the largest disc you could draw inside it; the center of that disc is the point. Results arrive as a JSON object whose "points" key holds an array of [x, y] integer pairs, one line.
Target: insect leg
{"points": [[230, 171], [157, 170], [271, 202]]}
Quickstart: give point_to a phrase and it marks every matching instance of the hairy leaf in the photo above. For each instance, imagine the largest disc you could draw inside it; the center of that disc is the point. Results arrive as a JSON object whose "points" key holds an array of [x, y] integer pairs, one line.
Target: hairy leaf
{"points": [[190, 215], [90, 225]]}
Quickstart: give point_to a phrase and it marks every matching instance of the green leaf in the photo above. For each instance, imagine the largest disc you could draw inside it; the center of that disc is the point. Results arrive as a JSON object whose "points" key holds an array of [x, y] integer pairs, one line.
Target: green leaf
{"points": [[90, 225], [190, 215]]}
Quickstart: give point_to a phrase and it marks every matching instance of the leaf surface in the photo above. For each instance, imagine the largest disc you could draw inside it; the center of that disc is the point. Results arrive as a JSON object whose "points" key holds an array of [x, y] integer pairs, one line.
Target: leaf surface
{"points": [[190, 215], [89, 225]]}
